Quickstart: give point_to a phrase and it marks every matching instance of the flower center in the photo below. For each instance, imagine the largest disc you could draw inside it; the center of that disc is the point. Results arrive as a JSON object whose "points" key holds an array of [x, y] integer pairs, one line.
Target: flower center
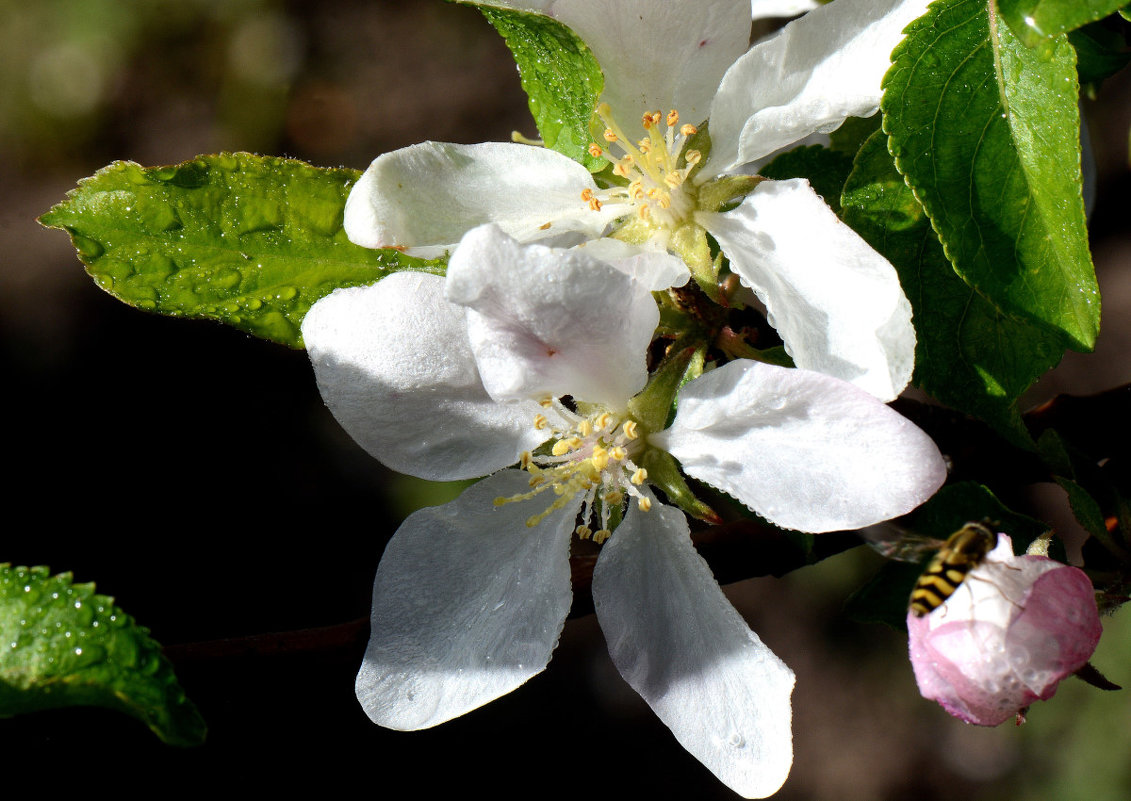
{"points": [[591, 455], [655, 167]]}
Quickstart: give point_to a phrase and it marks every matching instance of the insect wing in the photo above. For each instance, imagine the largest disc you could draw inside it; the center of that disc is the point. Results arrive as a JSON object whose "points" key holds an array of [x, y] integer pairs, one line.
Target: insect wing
{"points": [[893, 542]]}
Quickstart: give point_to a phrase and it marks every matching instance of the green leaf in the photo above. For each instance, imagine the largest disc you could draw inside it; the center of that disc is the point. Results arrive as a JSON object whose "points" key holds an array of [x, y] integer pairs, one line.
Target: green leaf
{"points": [[248, 240], [986, 132], [825, 169], [1085, 483], [853, 133], [63, 645], [1100, 53], [560, 76], [1085, 508], [1033, 21], [957, 504], [968, 354]]}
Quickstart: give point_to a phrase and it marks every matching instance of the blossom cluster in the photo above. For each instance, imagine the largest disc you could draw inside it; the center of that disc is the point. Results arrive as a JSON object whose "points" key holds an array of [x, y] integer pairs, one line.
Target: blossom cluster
{"points": [[539, 362]]}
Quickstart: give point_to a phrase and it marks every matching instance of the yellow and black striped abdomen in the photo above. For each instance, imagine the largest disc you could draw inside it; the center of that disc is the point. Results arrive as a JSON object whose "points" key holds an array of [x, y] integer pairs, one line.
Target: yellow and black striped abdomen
{"points": [[963, 551]]}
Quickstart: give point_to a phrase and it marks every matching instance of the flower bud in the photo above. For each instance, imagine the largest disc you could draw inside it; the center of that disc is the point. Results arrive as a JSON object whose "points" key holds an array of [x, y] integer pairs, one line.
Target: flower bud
{"points": [[1011, 631]]}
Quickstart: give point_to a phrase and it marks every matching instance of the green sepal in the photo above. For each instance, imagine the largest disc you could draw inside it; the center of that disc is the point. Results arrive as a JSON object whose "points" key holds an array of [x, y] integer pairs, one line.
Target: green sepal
{"points": [[663, 472], [722, 191], [987, 133], [654, 406], [63, 645], [968, 354], [250, 241], [690, 243], [1034, 21], [560, 76]]}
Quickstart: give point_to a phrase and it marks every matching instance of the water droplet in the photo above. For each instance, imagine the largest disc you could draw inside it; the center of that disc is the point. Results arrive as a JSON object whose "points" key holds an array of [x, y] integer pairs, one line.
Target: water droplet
{"points": [[89, 250], [160, 217], [257, 214]]}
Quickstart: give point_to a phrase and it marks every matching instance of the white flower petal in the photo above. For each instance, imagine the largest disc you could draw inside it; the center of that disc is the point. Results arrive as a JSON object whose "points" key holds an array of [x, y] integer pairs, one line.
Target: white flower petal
{"points": [[762, 9], [468, 604], [803, 450], [677, 640], [814, 73], [551, 322], [655, 270], [425, 197], [660, 55], [835, 301], [394, 365]]}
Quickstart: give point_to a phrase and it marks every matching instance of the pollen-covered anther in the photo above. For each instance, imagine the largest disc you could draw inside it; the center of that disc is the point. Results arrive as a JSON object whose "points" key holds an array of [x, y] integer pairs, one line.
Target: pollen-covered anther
{"points": [[595, 150], [673, 120], [601, 535], [644, 504], [588, 460], [610, 135]]}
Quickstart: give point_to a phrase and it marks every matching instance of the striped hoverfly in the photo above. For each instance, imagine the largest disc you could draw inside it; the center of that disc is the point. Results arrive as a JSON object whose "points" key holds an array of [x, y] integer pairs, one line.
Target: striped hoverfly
{"points": [[954, 558]]}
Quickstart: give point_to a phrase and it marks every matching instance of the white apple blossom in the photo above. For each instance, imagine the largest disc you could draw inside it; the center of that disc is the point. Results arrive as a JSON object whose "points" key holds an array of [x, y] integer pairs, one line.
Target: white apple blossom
{"points": [[836, 302], [762, 9], [461, 376], [1014, 628]]}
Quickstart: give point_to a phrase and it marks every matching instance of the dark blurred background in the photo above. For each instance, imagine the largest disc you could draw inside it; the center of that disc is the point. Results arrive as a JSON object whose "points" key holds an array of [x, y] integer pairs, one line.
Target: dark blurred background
{"points": [[194, 474]]}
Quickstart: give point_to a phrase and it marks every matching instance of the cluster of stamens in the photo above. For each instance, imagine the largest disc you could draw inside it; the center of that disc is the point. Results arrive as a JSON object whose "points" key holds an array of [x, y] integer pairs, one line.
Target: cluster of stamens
{"points": [[589, 456], [655, 167]]}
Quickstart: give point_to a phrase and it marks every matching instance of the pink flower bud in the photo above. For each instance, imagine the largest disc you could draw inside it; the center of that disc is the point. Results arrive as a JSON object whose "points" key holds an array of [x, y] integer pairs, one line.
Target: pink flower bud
{"points": [[1012, 630]]}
